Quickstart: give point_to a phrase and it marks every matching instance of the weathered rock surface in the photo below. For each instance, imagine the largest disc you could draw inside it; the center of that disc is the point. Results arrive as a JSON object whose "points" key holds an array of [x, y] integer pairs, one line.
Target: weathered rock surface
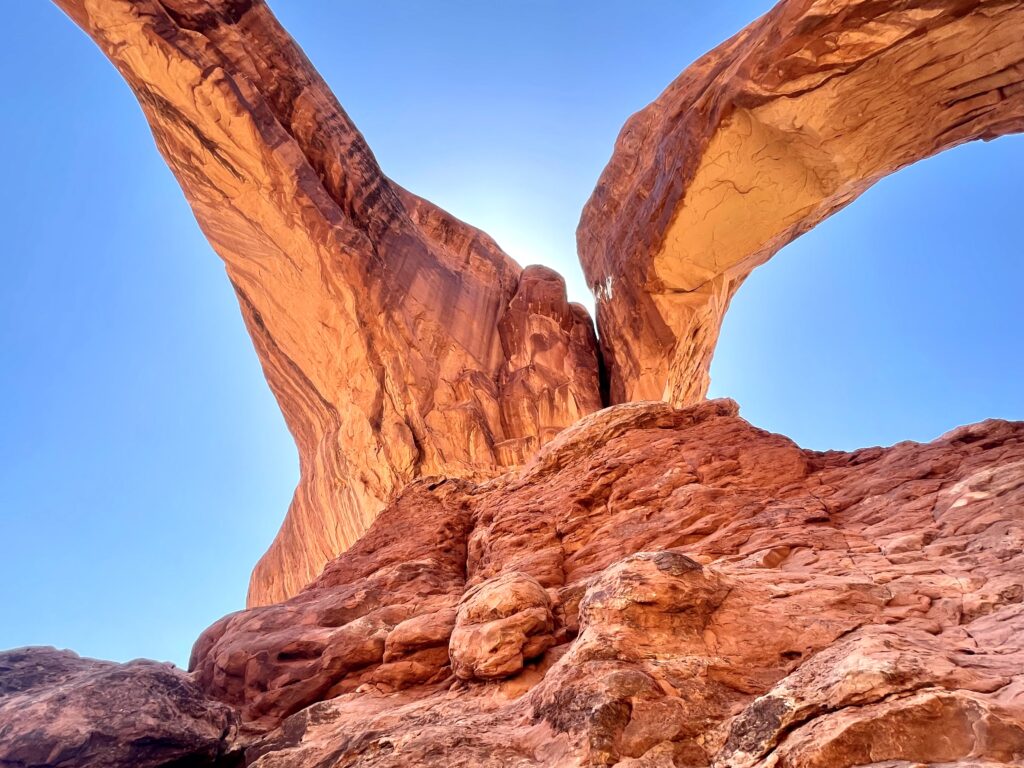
{"points": [[660, 587], [57, 709], [762, 139], [399, 341], [501, 623], [402, 343], [541, 582]]}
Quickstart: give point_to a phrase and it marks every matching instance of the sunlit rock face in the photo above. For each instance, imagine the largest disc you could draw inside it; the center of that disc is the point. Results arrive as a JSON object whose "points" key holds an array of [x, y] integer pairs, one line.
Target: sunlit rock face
{"points": [[540, 581], [403, 343], [399, 341], [762, 139], [657, 587], [660, 587]]}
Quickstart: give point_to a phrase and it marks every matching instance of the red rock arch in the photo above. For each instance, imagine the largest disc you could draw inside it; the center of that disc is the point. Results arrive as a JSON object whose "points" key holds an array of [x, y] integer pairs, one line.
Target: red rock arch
{"points": [[759, 141], [401, 342]]}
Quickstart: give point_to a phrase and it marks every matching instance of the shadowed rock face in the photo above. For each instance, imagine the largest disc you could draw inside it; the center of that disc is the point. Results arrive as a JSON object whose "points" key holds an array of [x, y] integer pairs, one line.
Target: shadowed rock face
{"points": [[539, 581], [57, 709]]}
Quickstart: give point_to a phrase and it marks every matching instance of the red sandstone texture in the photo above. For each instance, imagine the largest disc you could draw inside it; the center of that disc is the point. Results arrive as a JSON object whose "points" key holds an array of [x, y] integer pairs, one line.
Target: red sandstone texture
{"points": [[762, 139], [61, 710], [531, 579], [399, 341], [660, 587], [657, 587], [402, 343]]}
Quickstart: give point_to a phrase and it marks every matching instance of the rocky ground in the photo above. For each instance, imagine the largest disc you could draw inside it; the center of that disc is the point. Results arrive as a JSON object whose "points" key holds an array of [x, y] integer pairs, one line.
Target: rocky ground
{"points": [[658, 587]]}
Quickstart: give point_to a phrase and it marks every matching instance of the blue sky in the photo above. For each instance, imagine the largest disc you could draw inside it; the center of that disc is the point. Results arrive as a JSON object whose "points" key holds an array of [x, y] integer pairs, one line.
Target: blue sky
{"points": [[144, 465]]}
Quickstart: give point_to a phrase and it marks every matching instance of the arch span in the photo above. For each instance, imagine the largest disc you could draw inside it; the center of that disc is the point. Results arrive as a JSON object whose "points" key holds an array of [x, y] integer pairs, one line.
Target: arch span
{"points": [[762, 139], [402, 343]]}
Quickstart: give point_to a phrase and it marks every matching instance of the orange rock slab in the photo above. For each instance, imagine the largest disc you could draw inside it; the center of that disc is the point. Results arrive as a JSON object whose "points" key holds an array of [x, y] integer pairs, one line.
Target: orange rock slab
{"points": [[657, 587], [660, 587]]}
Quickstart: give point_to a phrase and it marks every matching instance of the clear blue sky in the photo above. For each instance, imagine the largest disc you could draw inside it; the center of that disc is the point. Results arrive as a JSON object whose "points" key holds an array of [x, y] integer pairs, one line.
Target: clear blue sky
{"points": [[144, 466]]}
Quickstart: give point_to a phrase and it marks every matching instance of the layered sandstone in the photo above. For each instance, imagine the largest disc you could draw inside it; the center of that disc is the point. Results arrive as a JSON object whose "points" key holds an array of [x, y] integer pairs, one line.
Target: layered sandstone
{"points": [[542, 582], [399, 341], [700, 592], [660, 587], [657, 587], [762, 139]]}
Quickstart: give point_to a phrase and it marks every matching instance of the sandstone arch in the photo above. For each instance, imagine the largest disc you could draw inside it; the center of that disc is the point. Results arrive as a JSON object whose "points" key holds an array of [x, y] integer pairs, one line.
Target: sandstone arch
{"points": [[401, 342], [656, 586], [759, 141]]}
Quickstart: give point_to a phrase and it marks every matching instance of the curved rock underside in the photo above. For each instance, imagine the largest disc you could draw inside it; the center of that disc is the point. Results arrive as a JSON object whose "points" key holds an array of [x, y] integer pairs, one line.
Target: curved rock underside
{"points": [[549, 582], [398, 340], [762, 139]]}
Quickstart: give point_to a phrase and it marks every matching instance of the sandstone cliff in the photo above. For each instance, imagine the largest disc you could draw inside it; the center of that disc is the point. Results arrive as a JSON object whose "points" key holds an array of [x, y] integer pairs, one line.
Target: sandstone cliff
{"points": [[529, 578], [657, 587], [401, 342]]}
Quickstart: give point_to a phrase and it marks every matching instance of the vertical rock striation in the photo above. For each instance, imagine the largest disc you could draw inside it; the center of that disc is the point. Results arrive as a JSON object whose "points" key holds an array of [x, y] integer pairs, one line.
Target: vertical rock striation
{"points": [[398, 340], [402, 343]]}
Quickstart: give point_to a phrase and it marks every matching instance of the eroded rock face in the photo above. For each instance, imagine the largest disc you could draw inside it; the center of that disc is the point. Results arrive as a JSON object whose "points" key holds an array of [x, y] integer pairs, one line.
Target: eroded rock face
{"points": [[501, 623], [636, 586], [657, 587], [381, 616], [57, 709], [762, 139], [399, 341], [402, 343], [660, 587]]}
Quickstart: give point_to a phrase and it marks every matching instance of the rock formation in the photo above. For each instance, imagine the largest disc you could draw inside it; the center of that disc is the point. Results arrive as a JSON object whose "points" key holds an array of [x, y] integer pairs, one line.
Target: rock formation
{"points": [[59, 709], [401, 342], [398, 340], [529, 579], [762, 139], [660, 587], [657, 587]]}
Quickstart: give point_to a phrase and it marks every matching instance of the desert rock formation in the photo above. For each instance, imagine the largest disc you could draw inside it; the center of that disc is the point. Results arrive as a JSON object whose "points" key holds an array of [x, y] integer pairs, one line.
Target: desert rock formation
{"points": [[660, 587], [59, 709], [762, 139], [529, 578], [403, 343], [657, 587], [399, 341]]}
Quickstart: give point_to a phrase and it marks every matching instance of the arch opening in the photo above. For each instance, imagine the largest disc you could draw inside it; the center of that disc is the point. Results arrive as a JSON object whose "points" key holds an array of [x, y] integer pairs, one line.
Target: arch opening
{"points": [[889, 320]]}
